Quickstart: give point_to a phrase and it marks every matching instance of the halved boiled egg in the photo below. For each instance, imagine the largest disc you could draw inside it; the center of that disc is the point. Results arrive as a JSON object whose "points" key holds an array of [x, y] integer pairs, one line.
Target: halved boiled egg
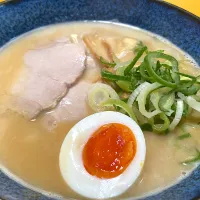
{"points": [[102, 155]]}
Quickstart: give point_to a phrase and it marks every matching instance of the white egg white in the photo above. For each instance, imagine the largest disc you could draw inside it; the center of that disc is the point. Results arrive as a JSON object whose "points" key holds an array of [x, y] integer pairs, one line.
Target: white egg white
{"points": [[71, 164]]}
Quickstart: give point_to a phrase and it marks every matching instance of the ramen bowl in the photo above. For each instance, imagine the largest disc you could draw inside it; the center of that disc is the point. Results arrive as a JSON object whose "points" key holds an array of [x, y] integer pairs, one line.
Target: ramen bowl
{"points": [[178, 26]]}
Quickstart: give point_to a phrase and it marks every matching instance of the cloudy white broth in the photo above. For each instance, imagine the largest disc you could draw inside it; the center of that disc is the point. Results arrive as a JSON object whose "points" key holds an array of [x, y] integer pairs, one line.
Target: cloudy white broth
{"points": [[32, 130]]}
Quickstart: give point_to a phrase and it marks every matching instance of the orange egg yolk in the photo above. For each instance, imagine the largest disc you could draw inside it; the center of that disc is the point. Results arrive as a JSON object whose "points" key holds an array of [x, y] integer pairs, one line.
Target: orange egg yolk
{"points": [[109, 151]]}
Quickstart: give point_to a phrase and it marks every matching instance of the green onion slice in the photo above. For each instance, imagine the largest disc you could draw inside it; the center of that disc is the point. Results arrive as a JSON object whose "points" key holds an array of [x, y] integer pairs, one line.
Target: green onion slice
{"points": [[178, 114], [192, 102], [100, 93], [122, 105], [142, 99], [110, 76], [184, 136], [124, 85], [134, 61], [194, 159], [160, 127], [149, 59], [155, 98], [109, 64], [146, 127], [141, 119], [136, 92], [144, 74], [166, 101]]}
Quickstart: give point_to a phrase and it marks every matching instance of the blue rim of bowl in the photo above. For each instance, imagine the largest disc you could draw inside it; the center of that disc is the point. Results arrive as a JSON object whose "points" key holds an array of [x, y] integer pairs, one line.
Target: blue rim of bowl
{"points": [[170, 5], [162, 2]]}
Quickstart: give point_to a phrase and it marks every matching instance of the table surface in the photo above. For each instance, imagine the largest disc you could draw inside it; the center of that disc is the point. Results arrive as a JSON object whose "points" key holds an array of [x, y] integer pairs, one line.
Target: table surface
{"points": [[192, 6]]}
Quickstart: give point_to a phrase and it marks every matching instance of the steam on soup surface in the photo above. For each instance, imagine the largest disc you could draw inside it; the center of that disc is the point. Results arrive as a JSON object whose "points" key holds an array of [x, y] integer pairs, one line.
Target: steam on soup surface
{"points": [[45, 78]]}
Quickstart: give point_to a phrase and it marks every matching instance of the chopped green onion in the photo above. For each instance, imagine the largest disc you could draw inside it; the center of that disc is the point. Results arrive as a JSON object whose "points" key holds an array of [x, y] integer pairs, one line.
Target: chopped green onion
{"points": [[190, 101], [166, 101], [178, 114], [155, 98], [186, 110], [158, 127], [198, 78], [186, 75], [109, 64], [121, 104], [136, 92], [141, 119], [124, 85], [144, 74], [158, 66], [108, 75], [160, 51], [124, 99], [193, 160], [137, 57], [139, 46], [167, 66], [146, 127], [142, 98], [99, 93], [122, 64], [149, 67], [187, 88], [184, 136], [155, 84]]}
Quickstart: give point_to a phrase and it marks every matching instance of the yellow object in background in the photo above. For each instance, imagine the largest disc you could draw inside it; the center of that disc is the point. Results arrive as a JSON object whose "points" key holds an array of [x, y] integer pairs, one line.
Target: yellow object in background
{"points": [[192, 6], [2, 1]]}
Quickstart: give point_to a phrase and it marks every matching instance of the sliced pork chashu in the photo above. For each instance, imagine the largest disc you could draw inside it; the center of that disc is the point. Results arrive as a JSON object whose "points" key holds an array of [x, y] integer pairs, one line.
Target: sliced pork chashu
{"points": [[63, 62], [73, 107], [48, 74], [33, 93]]}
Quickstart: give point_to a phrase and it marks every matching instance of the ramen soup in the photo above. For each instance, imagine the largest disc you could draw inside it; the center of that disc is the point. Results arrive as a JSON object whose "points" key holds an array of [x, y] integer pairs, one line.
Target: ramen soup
{"points": [[54, 77]]}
